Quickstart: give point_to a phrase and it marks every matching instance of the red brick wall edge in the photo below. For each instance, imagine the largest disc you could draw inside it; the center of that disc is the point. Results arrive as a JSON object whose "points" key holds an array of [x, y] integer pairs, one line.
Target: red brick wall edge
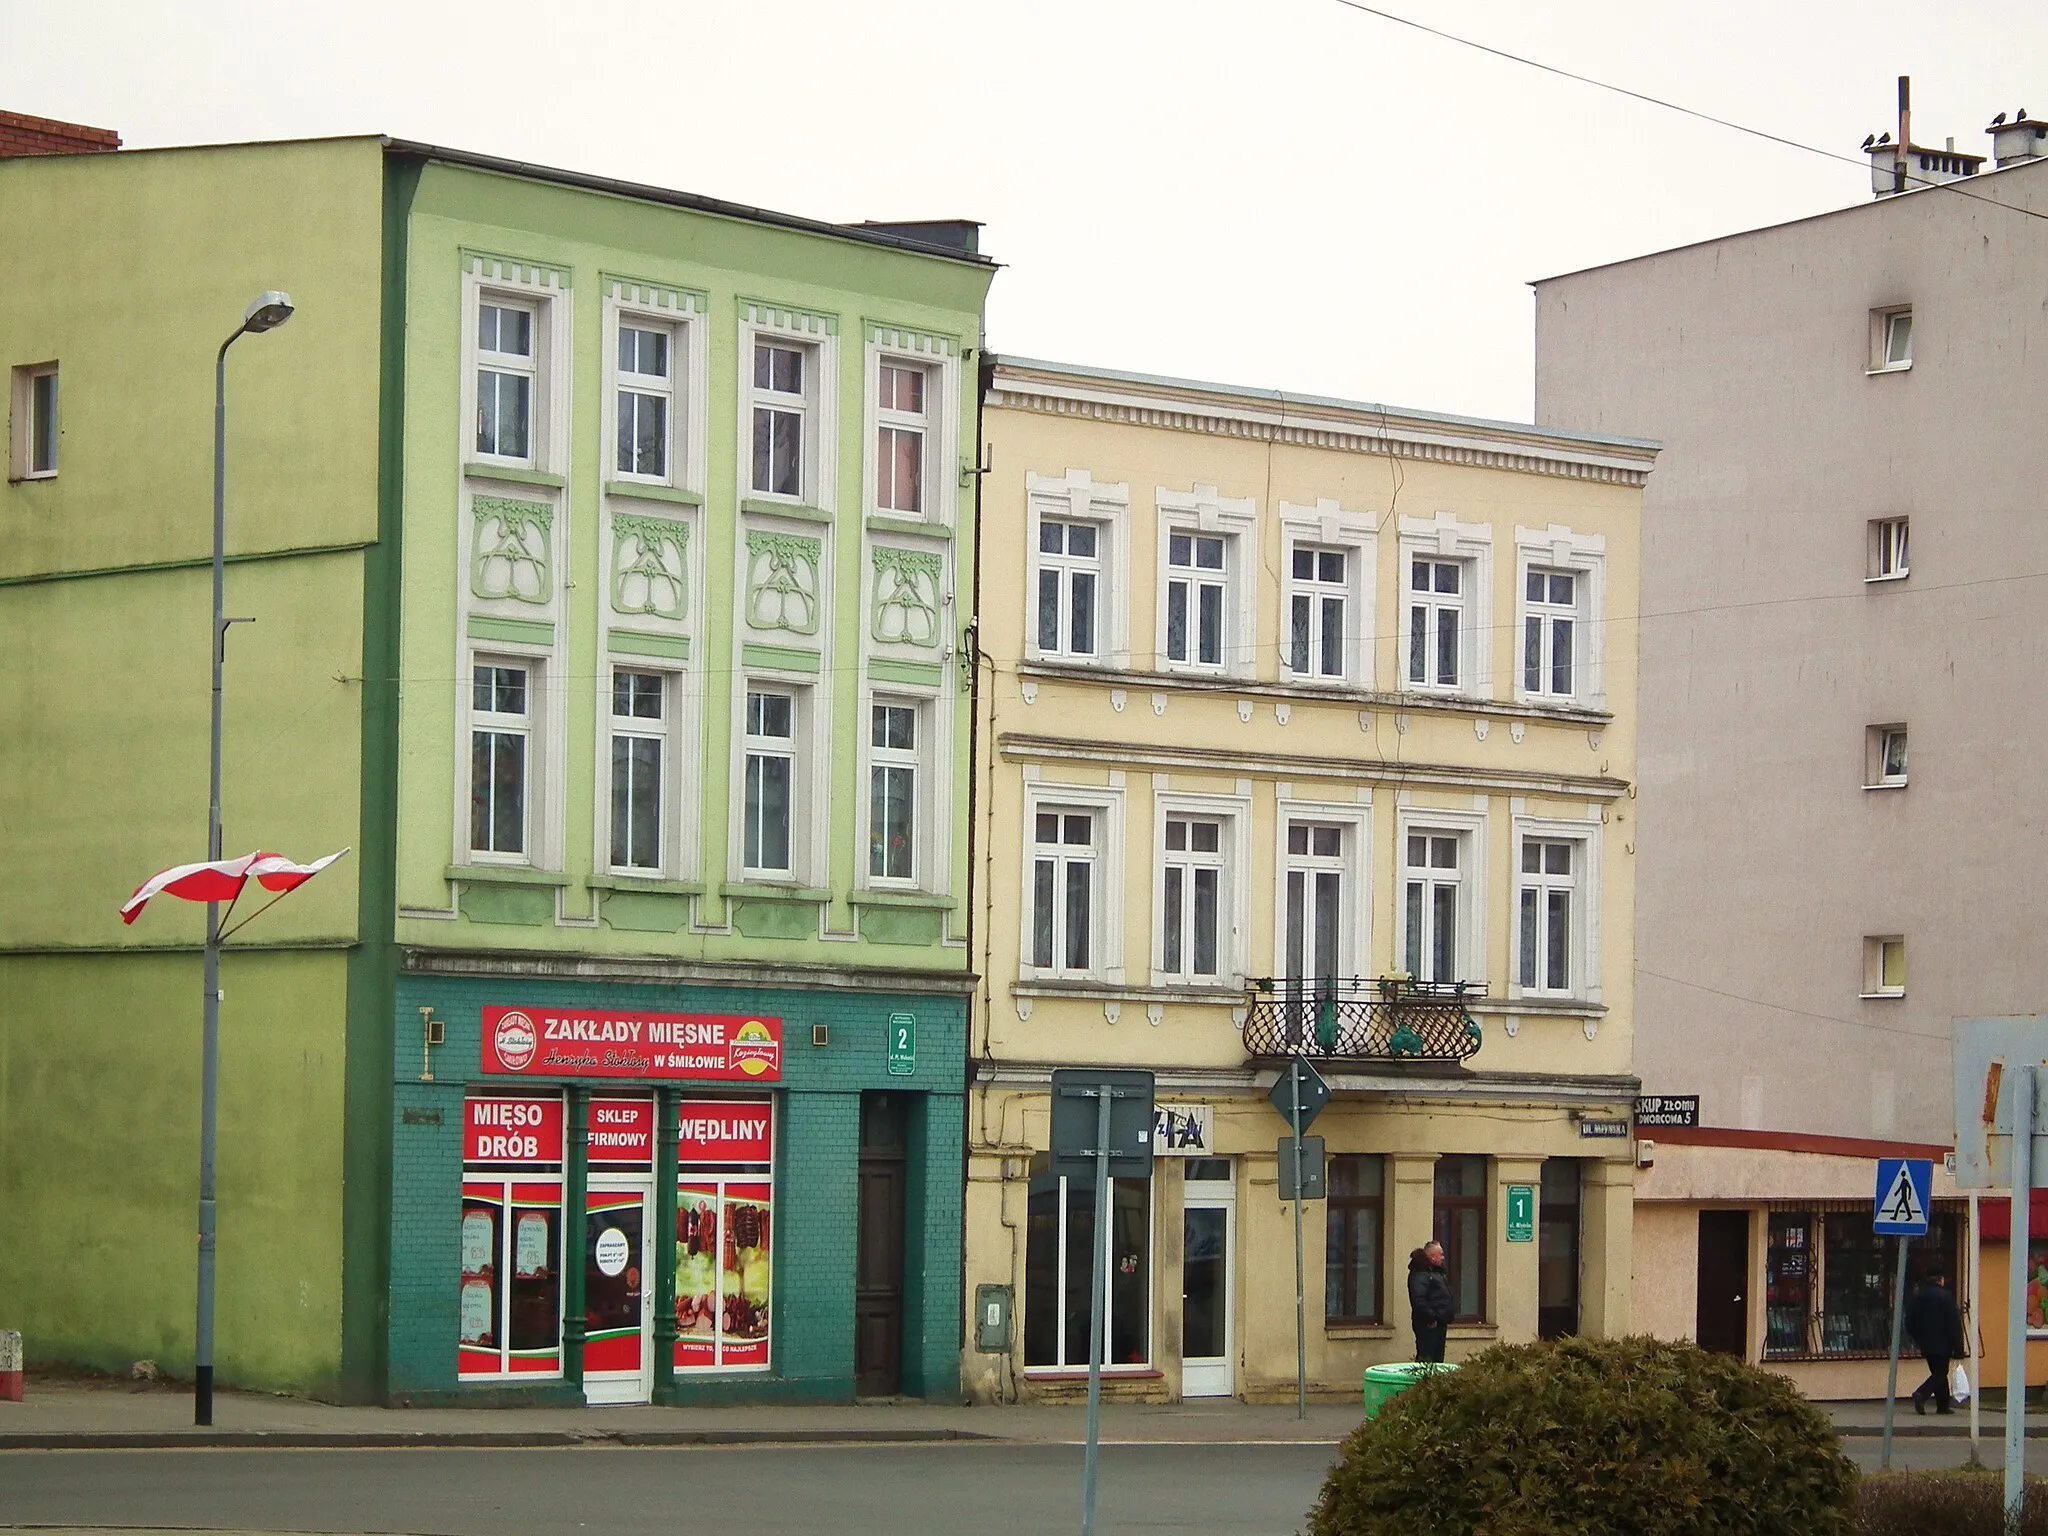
{"points": [[21, 134]]}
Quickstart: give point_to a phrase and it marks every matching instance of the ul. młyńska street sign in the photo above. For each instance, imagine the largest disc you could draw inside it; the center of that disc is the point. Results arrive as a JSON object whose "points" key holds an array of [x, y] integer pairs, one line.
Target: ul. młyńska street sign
{"points": [[1315, 1093], [1521, 1213], [902, 1044], [1903, 1185]]}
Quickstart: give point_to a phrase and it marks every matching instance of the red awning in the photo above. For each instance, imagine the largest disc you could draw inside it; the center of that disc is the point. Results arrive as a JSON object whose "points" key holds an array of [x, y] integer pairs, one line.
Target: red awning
{"points": [[1994, 1217]]}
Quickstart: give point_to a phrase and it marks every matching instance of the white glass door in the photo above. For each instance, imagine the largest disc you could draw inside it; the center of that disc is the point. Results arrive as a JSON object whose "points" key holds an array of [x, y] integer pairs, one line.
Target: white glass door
{"points": [[1207, 1291], [618, 1284]]}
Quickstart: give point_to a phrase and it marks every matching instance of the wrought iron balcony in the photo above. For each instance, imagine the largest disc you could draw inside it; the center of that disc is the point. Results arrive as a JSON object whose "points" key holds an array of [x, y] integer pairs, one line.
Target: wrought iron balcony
{"points": [[1385, 1018]]}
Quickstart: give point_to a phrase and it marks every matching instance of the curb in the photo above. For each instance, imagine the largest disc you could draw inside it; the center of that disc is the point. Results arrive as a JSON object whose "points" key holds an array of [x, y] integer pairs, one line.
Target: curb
{"points": [[1989, 1434], [316, 1440]]}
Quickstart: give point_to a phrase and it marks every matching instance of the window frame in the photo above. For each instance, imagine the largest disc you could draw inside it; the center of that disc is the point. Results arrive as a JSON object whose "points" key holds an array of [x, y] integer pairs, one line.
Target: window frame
{"points": [[667, 798], [1350, 1206], [817, 337], [1559, 549], [535, 800], [1233, 909], [1329, 527], [1106, 952], [1354, 919], [938, 358], [1076, 497], [683, 326], [1202, 513], [1444, 537], [28, 431], [1884, 323], [1584, 956], [496, 281], [1877, 740], [918, 761], [1877, 951], [1470, 828], [1454, 1244], [802, 796], [1888, 549], [1064, 1305]]}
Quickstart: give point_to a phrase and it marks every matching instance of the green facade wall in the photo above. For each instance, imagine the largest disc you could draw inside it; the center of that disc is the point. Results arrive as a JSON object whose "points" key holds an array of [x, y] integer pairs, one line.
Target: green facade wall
{"points": [[816, 1189]]}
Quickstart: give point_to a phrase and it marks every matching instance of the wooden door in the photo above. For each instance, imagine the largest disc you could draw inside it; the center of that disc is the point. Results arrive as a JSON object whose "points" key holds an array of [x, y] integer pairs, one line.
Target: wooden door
{"points": [[1721, 1322], [878, 1259]]}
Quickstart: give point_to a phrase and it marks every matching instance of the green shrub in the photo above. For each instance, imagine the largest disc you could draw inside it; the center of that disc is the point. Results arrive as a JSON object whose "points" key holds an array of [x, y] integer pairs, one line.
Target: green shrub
{"points": [[1593, 1437], [1943, 1504]]}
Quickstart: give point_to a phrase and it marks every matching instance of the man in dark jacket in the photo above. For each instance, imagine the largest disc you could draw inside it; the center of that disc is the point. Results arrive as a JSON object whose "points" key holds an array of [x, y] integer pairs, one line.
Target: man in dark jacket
{"points": [[1430, 1306], [1935, 1326]]}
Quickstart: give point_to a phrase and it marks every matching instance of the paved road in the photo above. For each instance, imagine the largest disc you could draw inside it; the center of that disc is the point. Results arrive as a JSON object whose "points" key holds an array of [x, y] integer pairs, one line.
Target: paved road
{"points": [[916, 1490]]}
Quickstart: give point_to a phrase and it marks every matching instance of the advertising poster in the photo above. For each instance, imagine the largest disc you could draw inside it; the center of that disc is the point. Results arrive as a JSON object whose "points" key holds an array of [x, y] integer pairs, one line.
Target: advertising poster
{"points": [[724, 1234], [652, 1047], [509, 1301]]}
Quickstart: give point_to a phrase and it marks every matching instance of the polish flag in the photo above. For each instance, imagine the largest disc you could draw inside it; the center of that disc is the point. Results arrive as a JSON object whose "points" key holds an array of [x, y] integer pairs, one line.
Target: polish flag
{"points": [[224, 880]]}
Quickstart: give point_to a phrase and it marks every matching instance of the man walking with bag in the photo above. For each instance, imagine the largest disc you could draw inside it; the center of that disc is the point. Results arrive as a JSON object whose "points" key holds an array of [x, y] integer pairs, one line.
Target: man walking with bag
{"points": [[1935, 1325]]}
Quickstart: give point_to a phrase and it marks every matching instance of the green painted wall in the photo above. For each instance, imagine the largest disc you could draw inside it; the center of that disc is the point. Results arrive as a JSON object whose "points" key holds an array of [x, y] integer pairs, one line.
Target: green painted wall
{"points": [[99, 1162], [587, 235], [130, 270]]}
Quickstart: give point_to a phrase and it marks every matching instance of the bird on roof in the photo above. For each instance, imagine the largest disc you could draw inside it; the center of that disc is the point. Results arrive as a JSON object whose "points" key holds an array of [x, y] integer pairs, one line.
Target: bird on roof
{"points": [[1884, 138], [2020, 116], [1998, 119], [1869, 139]]}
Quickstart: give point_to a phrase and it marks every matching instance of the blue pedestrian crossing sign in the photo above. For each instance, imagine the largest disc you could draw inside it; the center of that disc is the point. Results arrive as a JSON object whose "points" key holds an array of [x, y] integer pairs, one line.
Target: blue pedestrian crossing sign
{"points": [[1903, 1184]]}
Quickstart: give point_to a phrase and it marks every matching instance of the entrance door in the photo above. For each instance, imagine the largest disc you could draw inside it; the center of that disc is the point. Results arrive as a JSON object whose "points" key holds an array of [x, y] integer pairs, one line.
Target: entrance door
{"points": [[618, 1350], [1207, 1368], [1722, 1320], [878, 1260]]}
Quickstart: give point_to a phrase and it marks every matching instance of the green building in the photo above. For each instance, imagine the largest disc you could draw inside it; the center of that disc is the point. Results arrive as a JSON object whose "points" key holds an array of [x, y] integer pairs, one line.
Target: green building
{"points": [[601, 545]]}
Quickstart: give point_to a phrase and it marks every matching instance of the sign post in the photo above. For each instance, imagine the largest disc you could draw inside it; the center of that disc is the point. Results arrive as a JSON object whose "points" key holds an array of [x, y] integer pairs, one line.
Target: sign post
{"points": [[1900, 1212], [1120, 1133], [1300, 1094], [2022, 1122]]}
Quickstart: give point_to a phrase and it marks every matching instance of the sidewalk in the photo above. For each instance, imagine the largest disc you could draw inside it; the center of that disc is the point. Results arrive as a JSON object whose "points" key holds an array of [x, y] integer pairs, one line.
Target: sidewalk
{"points": [[90, 1415]]}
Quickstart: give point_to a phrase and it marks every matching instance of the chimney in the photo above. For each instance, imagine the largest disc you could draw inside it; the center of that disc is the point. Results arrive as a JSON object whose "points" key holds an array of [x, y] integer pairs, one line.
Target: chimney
{"points": [[1923, 165], [21, 134], [2016, 142]]}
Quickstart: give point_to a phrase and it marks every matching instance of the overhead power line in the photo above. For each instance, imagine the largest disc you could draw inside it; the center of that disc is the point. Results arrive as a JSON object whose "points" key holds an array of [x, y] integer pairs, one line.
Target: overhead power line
{"points": [[1670, 106]]}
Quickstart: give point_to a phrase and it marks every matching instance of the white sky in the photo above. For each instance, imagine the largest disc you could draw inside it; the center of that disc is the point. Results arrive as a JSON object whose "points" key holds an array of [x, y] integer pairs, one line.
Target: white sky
{"points": [[1284, 193]]}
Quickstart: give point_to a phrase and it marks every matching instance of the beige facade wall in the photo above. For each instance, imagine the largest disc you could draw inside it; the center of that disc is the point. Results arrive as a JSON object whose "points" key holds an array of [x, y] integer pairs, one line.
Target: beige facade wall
{"points": [[1130, 739]]}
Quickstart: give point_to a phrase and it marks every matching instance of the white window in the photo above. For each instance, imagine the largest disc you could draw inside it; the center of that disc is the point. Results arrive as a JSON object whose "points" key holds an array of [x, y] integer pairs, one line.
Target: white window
{"points": [[1065, 843], [893, 747], [1197, 589], [1887, 549], [1548, 920], [1550, 625], [900, 435], [1892, 334], [1315, 873], [506, 378], [649, 365], [1884, 966], [34, 447], [638, 765], [1434, 903], [501, 759], [1319, 601], [768, 816], [1194, 921], [1885, 757], [1436, 622], [1069, 580], [781, 410]]}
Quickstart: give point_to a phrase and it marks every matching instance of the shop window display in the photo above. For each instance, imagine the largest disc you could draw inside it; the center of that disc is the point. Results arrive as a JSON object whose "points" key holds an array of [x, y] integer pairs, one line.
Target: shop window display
{"points": [[724, 1234], [1828, 1281], [1059, 1246], [510, 1301]]}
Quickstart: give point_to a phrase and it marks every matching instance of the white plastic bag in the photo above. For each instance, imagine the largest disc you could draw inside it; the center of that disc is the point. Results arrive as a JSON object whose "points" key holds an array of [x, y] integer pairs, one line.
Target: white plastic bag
{"points": [[1959, 1385]]}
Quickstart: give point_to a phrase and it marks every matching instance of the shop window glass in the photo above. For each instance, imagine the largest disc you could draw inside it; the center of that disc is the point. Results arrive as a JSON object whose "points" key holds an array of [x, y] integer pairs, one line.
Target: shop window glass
{"points": [[1351, 1287], [1856, 1286], [725, 1151], [1788, 1284], [1557, 1250], [1059, 1245], [1460, 1225], [509, 1315]]}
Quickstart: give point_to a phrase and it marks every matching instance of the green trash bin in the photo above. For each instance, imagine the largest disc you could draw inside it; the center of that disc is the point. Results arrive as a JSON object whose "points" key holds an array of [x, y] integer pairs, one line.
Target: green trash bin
{"points": [[1384, 1383]]}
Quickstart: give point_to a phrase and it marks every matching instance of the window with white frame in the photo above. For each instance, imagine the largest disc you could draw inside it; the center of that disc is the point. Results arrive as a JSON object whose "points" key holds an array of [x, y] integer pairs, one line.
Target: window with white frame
{"points": [[1065, 844], [1319, 600], [1194, 918], [1436, 622], [1197, 590], [507, 353], [33, 452], [1888, 549], [1433, 905], [1891, 339], [1884, 966], [781, 410], [1885, 757], [639, 751], [500, 758], [901, 430], [768, 810], [649, 365], [1069, 579], [893, 746], [1548, 917], [1315, 869], [1550, 622]]}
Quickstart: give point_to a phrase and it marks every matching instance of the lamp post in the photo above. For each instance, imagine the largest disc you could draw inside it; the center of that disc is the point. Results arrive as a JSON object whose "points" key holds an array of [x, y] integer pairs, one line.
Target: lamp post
{"points": [[268, 311]]}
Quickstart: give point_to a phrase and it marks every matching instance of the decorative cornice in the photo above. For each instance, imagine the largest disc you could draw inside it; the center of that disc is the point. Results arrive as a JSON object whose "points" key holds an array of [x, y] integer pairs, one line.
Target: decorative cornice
{"points": [[514, 964], [1313, 422]]}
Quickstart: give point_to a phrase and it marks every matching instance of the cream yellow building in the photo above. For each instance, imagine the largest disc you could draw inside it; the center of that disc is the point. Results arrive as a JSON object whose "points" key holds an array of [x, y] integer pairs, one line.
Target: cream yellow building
{"points": [[1303, 726]]}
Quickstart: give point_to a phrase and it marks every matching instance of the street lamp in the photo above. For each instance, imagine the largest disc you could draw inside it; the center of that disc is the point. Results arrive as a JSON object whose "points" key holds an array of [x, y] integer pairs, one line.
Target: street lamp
{"points": [[266, 312]]}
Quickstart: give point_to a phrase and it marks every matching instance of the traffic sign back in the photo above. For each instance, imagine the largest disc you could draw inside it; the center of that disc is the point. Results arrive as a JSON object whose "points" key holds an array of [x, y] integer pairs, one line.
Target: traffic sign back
{"points": [[1903, 1187], [1315, 1093]]}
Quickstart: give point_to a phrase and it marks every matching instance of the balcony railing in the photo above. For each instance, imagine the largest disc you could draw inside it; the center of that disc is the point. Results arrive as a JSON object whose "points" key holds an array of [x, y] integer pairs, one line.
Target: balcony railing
{"points": [[1388, 1018]]}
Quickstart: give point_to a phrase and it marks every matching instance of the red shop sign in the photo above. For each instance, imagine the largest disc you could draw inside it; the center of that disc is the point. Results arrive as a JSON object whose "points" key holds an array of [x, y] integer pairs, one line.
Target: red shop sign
{"points": [[725, 1131], [622, 1133], [665, 1047], [518, 1132]]}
